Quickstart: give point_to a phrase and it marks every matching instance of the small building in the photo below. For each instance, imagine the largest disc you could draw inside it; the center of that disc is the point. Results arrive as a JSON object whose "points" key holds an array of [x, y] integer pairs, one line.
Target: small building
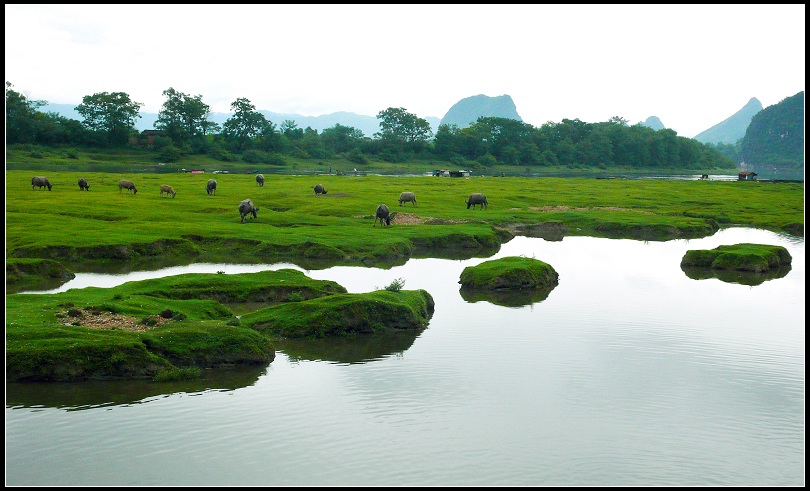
{"points": [[747, 176]]}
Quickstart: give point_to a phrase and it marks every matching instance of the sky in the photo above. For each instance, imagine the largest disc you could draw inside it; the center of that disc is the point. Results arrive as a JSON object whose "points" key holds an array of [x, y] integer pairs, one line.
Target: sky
{"points": [[692, 66]]}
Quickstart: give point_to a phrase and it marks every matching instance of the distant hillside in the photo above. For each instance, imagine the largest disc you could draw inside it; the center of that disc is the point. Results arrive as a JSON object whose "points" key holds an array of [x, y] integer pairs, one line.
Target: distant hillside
{"points": [[367, 124], [468, 110], [733, 128], [773, 145], [653, 122]]}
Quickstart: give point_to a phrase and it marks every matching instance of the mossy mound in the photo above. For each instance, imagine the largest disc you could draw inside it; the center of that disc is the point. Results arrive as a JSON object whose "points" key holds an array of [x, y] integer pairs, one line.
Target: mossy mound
{"points": [[165, 328], [345, 314], [509, 273], [757, 258]]}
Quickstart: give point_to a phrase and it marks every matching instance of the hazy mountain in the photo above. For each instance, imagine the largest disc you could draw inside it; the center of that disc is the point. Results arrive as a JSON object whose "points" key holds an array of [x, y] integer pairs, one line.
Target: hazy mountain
{"points": [[773, 145], [733, 128], [367, 124], [468, 110], [653, 122]]}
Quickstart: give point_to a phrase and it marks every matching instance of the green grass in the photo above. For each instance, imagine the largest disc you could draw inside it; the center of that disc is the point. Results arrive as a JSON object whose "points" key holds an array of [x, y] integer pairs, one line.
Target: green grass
{"points": [[293, 223], [52, 234]]}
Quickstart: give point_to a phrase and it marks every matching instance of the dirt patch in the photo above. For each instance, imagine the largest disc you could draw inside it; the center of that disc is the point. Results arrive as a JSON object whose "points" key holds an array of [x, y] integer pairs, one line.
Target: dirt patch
{"points": [[96, 319]]}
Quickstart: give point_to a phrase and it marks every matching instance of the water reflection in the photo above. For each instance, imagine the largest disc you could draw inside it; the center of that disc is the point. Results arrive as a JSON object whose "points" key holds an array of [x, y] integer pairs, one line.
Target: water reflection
{"points": [[506, 298], [749, 278], [101, 393], [629, 374], [347, 350]]}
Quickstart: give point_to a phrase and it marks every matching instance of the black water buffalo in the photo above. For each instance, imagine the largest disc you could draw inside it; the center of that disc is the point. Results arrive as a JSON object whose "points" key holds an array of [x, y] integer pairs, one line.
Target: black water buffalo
{"points": [[165, 188], [704, 176], [260, 179], [476, 199], [83, 185], [246, 208], [128, 185], [40, 182], [211, 186], [383, 214], [319, 189], [407, 197]]}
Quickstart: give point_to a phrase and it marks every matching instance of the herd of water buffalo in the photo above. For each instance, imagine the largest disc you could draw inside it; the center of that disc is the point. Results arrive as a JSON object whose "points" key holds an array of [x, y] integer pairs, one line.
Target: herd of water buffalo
{"points": [[247, 208]]}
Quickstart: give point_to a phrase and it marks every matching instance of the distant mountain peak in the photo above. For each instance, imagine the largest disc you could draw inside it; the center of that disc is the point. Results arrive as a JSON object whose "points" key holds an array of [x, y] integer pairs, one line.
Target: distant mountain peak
{"points": [[653, 122], [467, 111], [732, 129]]}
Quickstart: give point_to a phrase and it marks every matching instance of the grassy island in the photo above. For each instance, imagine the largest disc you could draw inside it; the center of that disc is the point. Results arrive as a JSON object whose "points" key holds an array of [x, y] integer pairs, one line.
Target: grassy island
{"points": [[509, 273], [757, 258], [171, 328]]}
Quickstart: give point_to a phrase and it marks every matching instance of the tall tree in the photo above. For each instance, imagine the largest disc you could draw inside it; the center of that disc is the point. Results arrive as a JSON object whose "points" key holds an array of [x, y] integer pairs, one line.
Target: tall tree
{"points": [[245, 124], [183, 118], [398, 124], [111, 114]]}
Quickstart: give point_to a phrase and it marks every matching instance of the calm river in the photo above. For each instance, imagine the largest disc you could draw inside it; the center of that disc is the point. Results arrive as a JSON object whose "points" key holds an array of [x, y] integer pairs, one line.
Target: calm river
{"points": [[629, 373]]}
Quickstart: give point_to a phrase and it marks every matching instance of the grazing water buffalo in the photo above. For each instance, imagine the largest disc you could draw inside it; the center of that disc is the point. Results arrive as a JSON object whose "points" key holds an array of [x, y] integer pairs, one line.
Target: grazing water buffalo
{"points": [[704, 176], [319, 189], [128, 185], [83, 185], [383, 214], [165, 188], [260, 179], [406, 197], [476, 199], [41, 182], [211, 186], [246, 208]]}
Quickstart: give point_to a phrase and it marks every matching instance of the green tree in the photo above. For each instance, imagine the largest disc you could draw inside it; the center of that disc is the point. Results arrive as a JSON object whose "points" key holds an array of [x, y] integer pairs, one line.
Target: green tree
{"points": [[112, 115], [245, 124], [447, 141], [184, 118], [400, 125], [290, 129], [21, 117], [341, 139]]}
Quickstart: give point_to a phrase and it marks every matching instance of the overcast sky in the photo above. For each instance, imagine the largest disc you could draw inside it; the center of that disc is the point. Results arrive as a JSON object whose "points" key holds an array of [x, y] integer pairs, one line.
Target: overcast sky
{"points": [[692, 66]]}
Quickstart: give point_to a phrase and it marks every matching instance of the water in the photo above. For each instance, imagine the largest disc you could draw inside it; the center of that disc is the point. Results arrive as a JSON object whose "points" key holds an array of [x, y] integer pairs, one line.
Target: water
{"points": [[628, 373]]}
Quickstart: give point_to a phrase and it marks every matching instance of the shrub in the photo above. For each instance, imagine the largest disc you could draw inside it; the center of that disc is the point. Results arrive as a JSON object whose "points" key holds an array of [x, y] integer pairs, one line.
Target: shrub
{"points": [[395, 285]]}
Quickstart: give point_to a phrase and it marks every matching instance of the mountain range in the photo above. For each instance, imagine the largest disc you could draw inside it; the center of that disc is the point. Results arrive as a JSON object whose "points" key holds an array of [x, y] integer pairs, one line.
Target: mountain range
{"points": [[463, 114]]}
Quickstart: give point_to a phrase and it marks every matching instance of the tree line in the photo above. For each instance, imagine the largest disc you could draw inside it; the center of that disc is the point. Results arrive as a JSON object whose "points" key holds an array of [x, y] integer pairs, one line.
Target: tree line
{"points": [[183, 128]]}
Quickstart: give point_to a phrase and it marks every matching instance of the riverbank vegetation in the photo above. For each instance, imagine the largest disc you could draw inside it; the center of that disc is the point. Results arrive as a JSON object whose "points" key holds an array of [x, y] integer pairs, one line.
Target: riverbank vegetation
{"points": [[184, 137]]}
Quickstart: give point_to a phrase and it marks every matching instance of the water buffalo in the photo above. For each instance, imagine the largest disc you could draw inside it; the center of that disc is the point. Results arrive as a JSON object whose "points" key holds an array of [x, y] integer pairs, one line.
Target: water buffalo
{"points": [[260, 179], [704, 176], [128, 185], [246, 208], [211, 186], [319, 189], [383, 214], [476, 199], [83, 185], [165, 188], [41, 182], [406, 197]]}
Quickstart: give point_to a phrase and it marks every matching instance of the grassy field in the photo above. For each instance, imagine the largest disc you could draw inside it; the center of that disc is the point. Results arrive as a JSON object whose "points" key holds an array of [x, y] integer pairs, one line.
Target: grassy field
{"points": [[174, 327]]}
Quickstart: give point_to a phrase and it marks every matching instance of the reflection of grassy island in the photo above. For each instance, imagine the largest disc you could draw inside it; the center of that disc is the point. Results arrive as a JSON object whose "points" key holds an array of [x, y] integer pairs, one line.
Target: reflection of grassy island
{"points": [[756, 258], [172, 327], [516, 273]]}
